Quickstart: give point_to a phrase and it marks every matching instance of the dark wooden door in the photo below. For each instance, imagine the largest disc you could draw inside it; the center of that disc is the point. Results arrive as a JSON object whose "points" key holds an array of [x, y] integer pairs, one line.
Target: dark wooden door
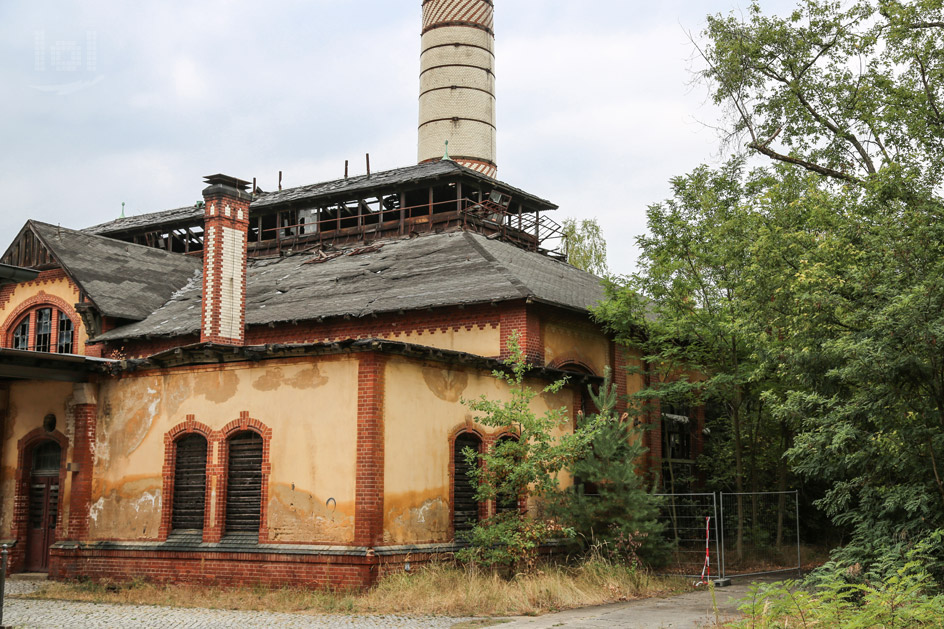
{"points": [[43, 507]]}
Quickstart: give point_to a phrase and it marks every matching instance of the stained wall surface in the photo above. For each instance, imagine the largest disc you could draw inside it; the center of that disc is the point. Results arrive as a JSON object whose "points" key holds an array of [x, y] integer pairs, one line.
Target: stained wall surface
{"points": [[28, 402], [309, 404], [422, 411]]}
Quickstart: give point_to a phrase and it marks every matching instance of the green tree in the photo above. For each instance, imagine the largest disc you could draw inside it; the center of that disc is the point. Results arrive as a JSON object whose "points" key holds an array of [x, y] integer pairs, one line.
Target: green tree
{"points": [[584, 245], [685, 313], [524, 466], [846, 289], [619, 514], [839, 89]]}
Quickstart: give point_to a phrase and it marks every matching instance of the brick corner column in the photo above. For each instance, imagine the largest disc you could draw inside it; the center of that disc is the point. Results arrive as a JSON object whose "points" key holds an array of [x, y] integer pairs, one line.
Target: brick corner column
{"points": [[85, 412], [369, 486], [525, 321]]}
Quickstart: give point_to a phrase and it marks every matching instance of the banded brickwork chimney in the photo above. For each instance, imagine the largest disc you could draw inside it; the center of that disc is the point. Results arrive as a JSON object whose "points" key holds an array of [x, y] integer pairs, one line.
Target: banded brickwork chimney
{"points": [[457, 83], [226, 226]]}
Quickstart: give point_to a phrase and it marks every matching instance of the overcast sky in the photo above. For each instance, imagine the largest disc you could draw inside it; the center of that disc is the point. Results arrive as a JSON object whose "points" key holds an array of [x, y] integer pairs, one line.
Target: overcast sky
{"points": [[108, 102]]}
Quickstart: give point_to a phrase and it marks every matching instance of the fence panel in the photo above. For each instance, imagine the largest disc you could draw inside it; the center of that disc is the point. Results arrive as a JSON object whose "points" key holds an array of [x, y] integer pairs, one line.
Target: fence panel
{"points": [[684, 518], [760, 533]]}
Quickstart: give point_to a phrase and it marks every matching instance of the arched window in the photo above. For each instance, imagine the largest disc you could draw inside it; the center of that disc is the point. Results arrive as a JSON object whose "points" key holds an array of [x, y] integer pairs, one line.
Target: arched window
{"points": [[189, 482], [506, 502], [45, 328], [244, 482], [465, 508]]}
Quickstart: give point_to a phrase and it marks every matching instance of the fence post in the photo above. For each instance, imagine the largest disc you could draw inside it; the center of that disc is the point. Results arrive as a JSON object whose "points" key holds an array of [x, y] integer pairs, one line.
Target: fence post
{"points": [[721, 525], [3, 579], [796, 501]]}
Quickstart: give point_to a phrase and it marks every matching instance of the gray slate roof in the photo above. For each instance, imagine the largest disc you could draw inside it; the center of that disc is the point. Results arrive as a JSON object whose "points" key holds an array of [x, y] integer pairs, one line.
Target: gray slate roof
{"points": [[406, 274], [151, 221], [384, 181], [123, 280]]}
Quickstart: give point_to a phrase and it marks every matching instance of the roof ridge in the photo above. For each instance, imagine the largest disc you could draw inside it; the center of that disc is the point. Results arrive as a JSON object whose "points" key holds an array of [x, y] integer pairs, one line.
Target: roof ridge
{"points": [[511, 277]]}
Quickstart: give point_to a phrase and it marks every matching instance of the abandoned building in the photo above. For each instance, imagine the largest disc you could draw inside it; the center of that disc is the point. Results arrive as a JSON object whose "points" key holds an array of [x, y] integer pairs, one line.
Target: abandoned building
{"points": [[266, 387]]}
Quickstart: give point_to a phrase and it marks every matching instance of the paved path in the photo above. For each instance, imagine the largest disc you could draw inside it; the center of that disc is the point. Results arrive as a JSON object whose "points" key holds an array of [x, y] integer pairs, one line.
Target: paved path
{"points": [[685, 611], [691, 610]]}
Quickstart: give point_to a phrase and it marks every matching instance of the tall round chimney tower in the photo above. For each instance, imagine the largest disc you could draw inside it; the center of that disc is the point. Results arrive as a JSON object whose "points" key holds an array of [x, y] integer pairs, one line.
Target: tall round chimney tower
{"points": [[457, 83]]}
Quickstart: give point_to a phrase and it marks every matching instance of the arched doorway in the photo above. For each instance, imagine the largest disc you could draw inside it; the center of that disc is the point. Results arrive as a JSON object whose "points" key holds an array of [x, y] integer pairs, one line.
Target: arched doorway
{"points": [[43, 506]]}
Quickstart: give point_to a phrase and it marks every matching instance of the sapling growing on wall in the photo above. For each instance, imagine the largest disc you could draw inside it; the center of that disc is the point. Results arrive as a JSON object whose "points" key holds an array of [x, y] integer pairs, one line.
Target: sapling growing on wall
{"points": [[525, 465]]}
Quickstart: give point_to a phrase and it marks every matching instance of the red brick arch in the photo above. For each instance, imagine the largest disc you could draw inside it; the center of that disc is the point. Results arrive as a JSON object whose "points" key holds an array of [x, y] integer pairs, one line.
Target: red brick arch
{"points": [[21, 489], [39, 300], [190, 426]]}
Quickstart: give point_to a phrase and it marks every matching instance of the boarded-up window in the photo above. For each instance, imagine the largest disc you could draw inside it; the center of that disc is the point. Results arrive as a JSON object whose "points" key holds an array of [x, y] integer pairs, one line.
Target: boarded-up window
{"points": [[465, 512], [189, 483], [244, 483]]}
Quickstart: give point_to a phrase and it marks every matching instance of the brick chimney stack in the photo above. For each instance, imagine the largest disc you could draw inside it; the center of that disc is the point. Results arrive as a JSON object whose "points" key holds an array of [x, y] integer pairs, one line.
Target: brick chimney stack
{"points": [[457, 83], [226, 227]]}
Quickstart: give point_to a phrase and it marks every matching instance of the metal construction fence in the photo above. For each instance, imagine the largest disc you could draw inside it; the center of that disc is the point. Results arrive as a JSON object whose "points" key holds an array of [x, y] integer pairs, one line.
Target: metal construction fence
{"points": [[732, 534]]}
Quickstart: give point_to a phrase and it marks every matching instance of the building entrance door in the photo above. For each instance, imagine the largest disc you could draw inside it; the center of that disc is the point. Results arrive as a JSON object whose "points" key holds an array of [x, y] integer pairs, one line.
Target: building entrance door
{"points": [[43, 505]]}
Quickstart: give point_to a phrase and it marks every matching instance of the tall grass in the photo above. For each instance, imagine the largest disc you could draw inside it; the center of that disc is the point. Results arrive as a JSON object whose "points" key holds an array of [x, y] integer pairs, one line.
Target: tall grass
{"points": [[438, 589]]}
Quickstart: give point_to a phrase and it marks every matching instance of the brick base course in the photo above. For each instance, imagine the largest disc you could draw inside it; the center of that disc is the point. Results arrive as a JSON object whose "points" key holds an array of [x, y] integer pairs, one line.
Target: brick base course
{"points": [[213, 568], [323, 571]]}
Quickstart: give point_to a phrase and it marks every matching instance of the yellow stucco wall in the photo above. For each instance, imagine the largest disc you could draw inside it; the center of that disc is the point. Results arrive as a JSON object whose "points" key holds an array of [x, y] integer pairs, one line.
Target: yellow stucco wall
{"points": [[60, 287], [565, 342], [310, 407], [481, 342], [27, 403], [422, 410]]}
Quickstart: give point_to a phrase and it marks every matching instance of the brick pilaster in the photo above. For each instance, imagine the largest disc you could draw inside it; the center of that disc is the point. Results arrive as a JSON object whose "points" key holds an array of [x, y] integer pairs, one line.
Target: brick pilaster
{"points": [[528, 325], [85, 413], [369, 490], [225, 242]]}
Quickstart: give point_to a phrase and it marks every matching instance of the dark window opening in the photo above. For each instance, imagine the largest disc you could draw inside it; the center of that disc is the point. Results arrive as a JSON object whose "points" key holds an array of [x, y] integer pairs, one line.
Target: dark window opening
{"points": [[678, 458], [46, 459], [244, 483], [189, 483], [44, 329], [64, 342], [507, 502], [21, 334], [465, 513]]}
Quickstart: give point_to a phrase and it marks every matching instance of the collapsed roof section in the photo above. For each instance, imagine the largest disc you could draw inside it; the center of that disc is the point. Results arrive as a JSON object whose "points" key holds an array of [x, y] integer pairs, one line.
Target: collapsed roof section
{"points": [[429, 197], [122, 280], [457, 268]]}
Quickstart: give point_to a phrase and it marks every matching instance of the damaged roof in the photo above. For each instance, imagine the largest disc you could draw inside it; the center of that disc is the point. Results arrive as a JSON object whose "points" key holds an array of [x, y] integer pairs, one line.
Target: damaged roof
{"points": [[148, 222], [123, 280], [421, 272], [385, 181]]}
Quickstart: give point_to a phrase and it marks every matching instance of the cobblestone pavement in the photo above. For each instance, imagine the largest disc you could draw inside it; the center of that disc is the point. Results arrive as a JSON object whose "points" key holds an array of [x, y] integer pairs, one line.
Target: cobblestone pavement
{"points": [[18, 612]]}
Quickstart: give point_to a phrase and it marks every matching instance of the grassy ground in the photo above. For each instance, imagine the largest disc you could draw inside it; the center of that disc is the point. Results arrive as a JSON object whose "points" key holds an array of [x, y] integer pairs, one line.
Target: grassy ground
{"points": [[439, 589]]}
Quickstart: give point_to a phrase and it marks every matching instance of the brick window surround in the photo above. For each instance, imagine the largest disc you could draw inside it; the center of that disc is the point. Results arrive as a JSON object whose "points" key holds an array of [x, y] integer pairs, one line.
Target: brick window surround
{"points": [[25, 447], [28, 309], [214, 516]]}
